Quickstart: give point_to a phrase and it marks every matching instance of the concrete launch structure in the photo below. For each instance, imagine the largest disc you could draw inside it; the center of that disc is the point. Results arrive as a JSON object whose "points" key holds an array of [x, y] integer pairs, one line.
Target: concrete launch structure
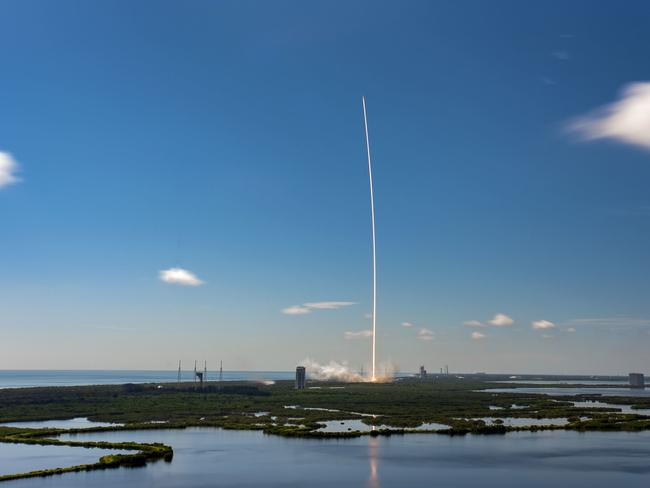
{"points": [[637, 380], [300, 378]]}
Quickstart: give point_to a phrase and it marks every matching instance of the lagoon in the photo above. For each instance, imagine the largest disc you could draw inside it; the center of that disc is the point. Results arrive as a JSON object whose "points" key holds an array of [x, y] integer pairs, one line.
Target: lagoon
{"points": [[207, 457]]}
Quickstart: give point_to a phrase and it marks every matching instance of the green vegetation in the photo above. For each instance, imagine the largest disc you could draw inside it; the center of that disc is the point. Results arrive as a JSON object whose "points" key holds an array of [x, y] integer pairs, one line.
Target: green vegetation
{"points": [[144, 452], [393, 408]]}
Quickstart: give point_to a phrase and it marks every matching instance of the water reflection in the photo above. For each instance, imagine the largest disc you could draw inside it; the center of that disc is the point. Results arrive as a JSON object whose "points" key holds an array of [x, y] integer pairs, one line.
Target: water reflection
{"points": [[373, 448]]}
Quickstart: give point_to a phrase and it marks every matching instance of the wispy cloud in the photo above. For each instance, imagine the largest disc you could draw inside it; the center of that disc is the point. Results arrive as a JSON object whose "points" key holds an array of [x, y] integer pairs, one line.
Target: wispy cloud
{"points": [[542, 325], [425, 334], [613, 322], [8, 170], [501, 320], [626, 120], [179, 276], [407, 324], [474, 323], [306, 308], [571, 329], [296, 310], [327, 305], [561, 55], [477, 336], [357, 334]]}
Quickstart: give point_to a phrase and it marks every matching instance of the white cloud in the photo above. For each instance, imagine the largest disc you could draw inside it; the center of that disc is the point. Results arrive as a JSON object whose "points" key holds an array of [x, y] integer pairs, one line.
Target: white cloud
{"points": [[571, 329], [8, 169], [295, 310], [547, 336], [407, 324], [308, 307], [626, 120], [613, 322], [425, 334], [359, 334], [561, 55], [327, 305], [478, 335], [542, 325], [179, 276], [367, 316], [473, 323], [501, 320]]}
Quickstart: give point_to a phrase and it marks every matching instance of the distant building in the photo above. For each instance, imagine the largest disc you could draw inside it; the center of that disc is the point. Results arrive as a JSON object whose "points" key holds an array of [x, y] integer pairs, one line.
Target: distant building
{"points": [[423, 372], [300, 378], [637, 380]]}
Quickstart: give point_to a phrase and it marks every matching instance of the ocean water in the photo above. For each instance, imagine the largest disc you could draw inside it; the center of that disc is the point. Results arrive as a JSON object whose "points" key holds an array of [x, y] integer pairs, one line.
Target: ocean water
{"points": [[32, 378], [207, 457]]}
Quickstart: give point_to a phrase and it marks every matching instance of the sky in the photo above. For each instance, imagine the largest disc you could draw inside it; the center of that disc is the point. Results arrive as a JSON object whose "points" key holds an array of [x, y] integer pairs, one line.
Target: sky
{"points": [[187, 180]]}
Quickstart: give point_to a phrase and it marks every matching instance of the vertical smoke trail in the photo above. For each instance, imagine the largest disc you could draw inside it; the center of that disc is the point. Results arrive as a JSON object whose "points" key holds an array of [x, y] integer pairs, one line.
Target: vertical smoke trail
{"points": [[374, 249]]}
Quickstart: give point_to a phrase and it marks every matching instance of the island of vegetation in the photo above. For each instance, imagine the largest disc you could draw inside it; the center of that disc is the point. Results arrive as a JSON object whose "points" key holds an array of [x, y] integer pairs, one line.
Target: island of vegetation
{"points": [[453, 405]]}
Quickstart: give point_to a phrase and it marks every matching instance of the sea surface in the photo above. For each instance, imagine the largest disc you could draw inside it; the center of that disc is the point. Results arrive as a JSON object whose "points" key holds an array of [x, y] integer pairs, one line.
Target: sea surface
{"points": [[208, 457], [32, 378]]}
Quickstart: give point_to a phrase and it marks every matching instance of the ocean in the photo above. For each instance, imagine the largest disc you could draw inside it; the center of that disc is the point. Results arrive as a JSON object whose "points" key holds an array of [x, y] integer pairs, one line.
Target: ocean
{"points": [[33, 378]]}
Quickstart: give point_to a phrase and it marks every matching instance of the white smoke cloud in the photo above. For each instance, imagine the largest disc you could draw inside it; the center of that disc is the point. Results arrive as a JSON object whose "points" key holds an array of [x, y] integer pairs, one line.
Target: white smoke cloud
{"points": [[501, 320], [8, 169], [359, 334], [626, 120], [542, 325], [179, 276], [306, 308], [332, 371], [478, 335], [407, 324]]}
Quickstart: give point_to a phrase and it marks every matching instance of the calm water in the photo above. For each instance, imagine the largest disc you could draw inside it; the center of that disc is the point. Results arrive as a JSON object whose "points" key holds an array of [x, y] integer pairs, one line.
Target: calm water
{"points": [[212, 457], [20, 458], [567, 382], [24, 379], [356, 424], [631, 392]]}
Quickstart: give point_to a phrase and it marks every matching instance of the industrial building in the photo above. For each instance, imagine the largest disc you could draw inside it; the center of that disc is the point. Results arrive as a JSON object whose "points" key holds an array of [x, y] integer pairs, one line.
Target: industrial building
{"points": [[423, 372], [637, 380], [300, 378]]}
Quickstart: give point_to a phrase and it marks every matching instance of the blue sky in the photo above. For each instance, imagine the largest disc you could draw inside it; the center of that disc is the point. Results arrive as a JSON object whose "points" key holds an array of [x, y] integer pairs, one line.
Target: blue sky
{"points": [[226, 139]]}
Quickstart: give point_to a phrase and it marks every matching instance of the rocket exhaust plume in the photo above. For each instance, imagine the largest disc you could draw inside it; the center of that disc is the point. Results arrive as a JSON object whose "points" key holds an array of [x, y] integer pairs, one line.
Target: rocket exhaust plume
{"points": [[374, 247], [331, 371], [340, 371]]}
